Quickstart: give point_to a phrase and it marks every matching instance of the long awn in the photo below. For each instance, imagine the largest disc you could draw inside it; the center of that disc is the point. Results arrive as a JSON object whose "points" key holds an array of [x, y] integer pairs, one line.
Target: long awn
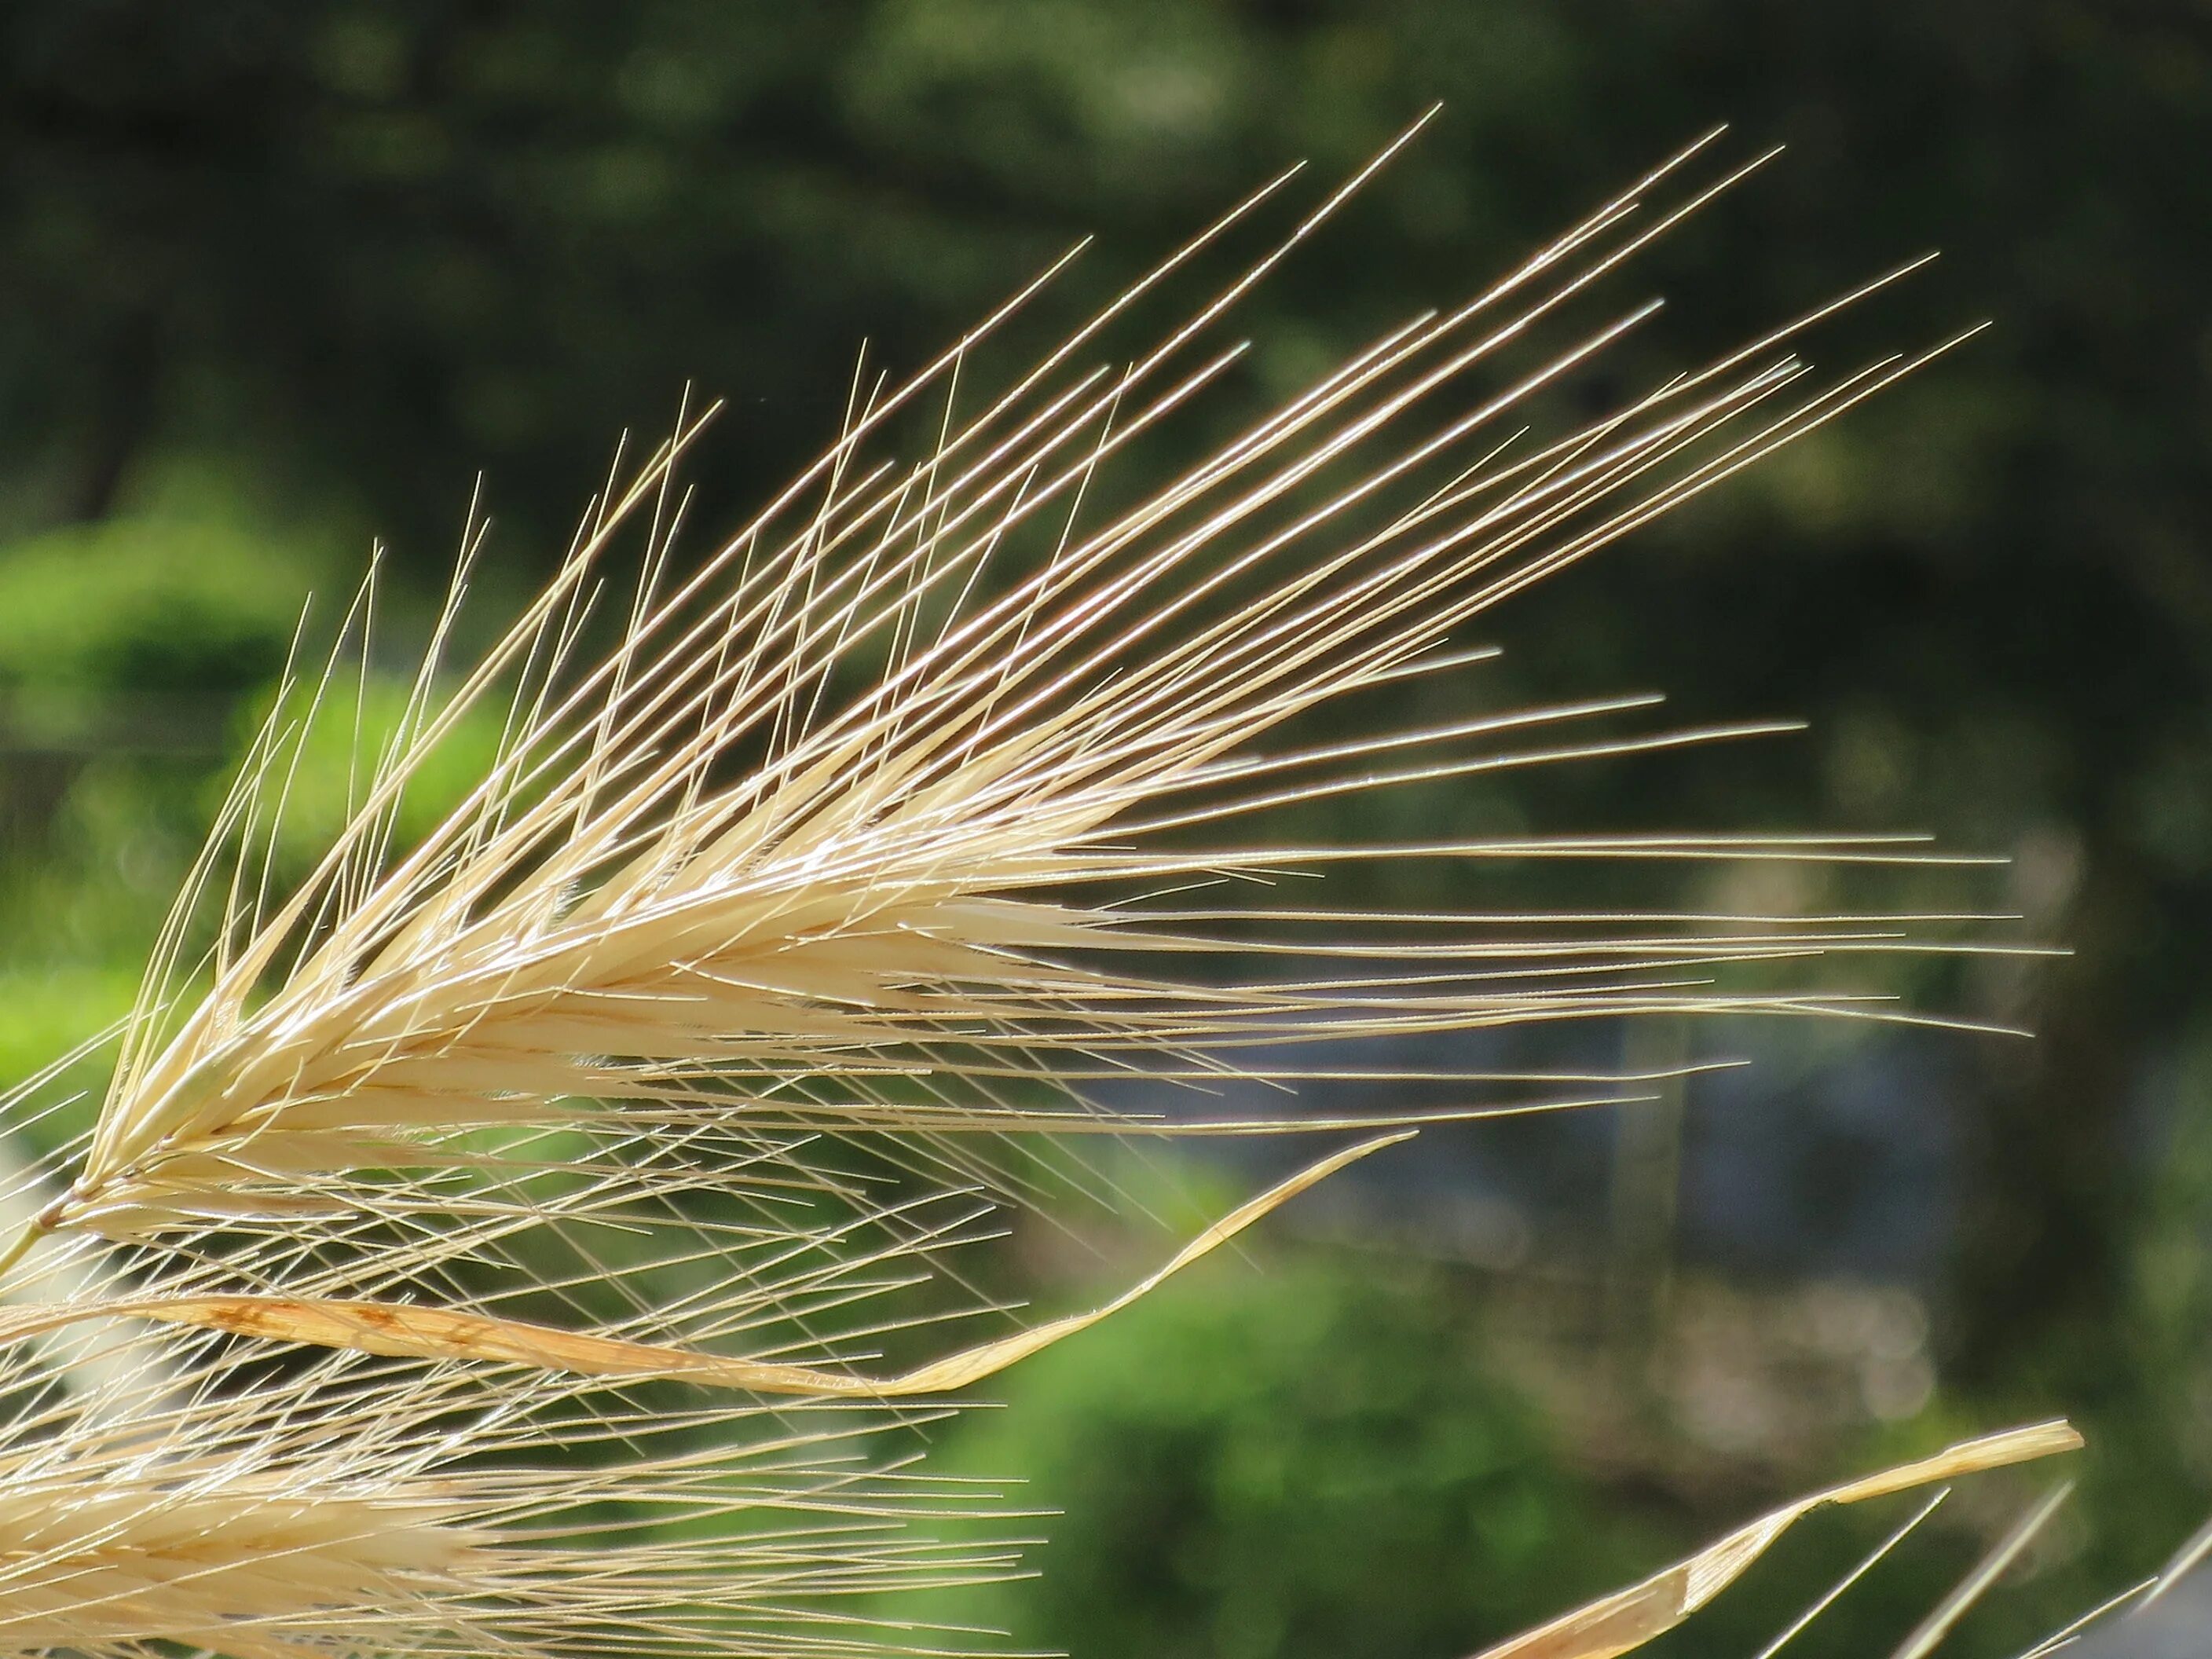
{"points": [[517, 1237]]}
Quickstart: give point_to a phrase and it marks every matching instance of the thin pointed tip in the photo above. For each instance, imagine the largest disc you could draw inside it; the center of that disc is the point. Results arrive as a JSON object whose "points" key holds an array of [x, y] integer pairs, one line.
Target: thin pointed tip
{"points": [[1703, 141]]}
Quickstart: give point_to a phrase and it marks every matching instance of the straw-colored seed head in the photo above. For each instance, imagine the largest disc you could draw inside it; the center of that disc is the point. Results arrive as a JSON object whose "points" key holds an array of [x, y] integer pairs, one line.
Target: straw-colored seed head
{"points": [[937, 793], [203, 1555], [579, 1162], [356, 1506]]}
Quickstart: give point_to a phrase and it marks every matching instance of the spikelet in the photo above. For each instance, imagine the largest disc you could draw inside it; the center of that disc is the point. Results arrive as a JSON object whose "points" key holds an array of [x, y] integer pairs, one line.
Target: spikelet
{"points": [[350, 1506], [518, 1236], [850, 832]]}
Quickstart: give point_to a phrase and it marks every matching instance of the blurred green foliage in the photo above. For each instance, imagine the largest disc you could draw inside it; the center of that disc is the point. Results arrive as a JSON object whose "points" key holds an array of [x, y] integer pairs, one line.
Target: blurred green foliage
{"points": [[126, 647], [143, 608], [138, 658], [1307, 1460]]}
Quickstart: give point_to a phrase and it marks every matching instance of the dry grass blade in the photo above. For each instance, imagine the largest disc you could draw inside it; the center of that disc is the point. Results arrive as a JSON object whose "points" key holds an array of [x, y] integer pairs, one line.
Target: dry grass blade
{"points": [[400, 1331], [1628, 1619]]}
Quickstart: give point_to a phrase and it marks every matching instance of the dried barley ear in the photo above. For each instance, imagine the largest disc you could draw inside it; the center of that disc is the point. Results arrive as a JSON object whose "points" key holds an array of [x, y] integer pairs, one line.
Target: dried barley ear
{"points": [[579, 1152]]}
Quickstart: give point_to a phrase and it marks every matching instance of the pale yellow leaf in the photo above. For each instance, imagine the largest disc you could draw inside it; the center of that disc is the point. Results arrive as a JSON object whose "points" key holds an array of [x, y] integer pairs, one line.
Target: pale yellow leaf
{"points": [[1628, 1619], [421, 1332]]}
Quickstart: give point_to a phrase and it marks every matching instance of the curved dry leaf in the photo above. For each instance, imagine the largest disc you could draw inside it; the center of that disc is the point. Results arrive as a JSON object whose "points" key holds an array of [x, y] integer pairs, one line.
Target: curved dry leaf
{"points": [[1628, 1619], [418, 1333]]}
